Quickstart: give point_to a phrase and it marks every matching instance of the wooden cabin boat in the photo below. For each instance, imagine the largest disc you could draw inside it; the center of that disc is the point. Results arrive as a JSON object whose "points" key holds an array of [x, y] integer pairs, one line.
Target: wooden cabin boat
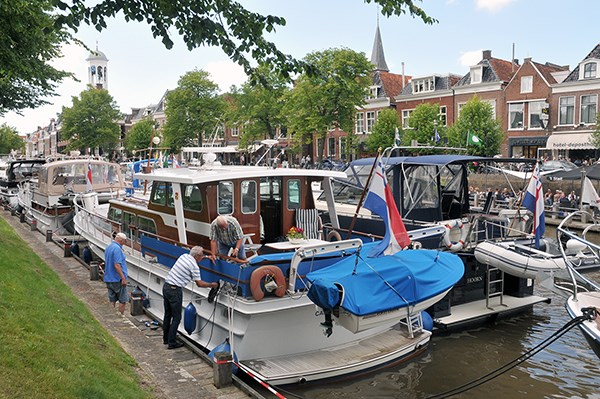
{"points": [[274, 329], [48, 199]]}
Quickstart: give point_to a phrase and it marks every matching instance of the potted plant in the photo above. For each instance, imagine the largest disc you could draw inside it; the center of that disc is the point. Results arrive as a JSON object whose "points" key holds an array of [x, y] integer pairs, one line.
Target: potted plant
{"points": [[295, 235]]}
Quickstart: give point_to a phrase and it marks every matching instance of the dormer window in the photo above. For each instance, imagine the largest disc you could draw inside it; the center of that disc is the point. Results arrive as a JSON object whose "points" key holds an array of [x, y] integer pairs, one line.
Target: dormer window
{"points": [[374, 91], [476, 74], [423, 85], [589, 70]]}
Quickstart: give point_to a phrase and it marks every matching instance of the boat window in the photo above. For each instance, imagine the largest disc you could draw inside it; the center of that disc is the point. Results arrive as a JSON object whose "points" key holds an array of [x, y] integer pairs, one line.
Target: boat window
{"points": [[293, 197], [225, 197], [270, 189], [128, 219], [115, 214], [248, 192], [192, 197], [160, 192], [146, 225], [420, 187]]}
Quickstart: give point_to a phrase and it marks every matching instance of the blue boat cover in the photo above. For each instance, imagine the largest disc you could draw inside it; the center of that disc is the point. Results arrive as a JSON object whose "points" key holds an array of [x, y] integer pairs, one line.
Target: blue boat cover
{"points": [[385, 283]]}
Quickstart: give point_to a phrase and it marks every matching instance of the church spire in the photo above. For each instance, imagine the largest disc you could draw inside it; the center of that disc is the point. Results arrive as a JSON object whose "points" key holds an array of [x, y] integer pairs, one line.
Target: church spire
{"points": [[377, 55]]}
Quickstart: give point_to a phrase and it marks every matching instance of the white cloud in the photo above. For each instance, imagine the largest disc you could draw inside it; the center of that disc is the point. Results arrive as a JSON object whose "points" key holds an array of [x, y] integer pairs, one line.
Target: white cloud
{"points": [[469, 58], [226, 74], [492, 5]]}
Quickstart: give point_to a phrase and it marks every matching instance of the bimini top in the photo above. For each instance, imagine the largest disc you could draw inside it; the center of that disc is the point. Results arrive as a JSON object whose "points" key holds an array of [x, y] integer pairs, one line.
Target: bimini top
{"points": [[441, 159], [198, 175]]}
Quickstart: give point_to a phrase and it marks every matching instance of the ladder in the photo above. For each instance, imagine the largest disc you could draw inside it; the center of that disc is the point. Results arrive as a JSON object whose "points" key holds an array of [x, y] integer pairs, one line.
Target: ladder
{"points": [[413, 323], [495, 286]]}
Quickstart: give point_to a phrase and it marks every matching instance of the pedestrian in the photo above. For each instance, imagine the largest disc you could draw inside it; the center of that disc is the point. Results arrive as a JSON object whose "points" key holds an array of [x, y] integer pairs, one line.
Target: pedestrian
{"points": [[183, 271], [115, 272], [303, 162], [226, 234], [308, 161]]}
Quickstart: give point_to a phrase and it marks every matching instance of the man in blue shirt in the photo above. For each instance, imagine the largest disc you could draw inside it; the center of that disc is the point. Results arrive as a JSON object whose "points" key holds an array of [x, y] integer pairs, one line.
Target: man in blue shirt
{"points": [[115, 272], [183, 271]]}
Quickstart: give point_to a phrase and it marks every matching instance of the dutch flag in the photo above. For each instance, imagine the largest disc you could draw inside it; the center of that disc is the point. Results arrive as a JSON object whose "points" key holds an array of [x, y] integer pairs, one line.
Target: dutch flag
{"points": [[88, 180], [534, 201], [381, 202]]}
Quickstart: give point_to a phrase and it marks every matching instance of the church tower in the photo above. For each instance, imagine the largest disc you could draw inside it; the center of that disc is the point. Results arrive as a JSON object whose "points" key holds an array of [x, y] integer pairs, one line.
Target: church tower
{"points": [[377, 55], [97, 74]]}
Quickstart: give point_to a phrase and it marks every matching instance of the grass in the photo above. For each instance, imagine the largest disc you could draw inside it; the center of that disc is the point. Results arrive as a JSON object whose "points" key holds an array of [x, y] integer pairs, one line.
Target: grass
{"points": [[50, 344]]}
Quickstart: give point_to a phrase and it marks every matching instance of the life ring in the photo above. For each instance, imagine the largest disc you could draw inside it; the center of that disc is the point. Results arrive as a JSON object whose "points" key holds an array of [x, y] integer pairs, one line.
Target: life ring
{"points": [[334, 236], [257, 286], [455, 224]]}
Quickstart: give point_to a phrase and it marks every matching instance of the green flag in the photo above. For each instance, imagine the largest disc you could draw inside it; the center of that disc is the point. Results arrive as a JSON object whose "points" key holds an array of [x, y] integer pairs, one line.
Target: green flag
{"points": [[473, 139]]}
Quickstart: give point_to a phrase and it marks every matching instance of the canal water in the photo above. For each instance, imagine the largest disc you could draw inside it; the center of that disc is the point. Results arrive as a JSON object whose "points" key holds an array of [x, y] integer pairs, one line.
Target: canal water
{"points": [[566, 369]]}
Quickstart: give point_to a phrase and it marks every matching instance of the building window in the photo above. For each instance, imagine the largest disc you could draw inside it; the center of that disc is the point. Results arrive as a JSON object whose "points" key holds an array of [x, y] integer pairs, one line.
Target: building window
{"points": [[374, 91], [588, 108], [476, 73], [331, 146], [460, 107], [589, 70], [515, 116], [405, 118], [443, 113], [535, 111], [423, 85], [566, 110], [360, 122], [370, 120], [526, 84], [235, 131]]}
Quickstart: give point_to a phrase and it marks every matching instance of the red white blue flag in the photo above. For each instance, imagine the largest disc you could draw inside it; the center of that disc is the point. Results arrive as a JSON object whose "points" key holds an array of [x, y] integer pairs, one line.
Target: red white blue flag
{"points": [[534, 201], [381, 202], [88, 180]]}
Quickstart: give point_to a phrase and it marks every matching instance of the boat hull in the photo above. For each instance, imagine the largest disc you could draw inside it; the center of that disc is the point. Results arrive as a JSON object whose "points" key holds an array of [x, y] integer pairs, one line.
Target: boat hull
{"points": [[591, 328]]}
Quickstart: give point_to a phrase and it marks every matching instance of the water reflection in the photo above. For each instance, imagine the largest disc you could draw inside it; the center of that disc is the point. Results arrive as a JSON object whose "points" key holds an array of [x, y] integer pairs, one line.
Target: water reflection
{"points": [[566, 369]]}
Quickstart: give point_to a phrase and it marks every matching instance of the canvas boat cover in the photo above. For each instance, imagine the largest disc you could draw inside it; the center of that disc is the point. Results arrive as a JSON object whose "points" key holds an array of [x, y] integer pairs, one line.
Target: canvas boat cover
{"points": [[385, 283]]}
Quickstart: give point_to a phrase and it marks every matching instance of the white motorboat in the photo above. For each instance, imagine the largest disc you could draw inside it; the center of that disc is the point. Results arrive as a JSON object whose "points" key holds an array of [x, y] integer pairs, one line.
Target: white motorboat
{"points": [[277, 335]]}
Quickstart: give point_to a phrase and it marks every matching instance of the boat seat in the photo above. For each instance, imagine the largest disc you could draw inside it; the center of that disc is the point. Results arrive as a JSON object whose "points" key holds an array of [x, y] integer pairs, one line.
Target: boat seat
{"points": [[310, 221]]}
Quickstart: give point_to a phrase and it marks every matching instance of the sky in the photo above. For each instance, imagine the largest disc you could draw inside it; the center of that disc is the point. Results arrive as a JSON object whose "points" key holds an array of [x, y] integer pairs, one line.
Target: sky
{"points": [[141, 69]]}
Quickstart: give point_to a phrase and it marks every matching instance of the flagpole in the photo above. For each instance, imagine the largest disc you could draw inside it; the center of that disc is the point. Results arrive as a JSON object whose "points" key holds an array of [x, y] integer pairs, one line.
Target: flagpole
{"points": [[362, 196]]}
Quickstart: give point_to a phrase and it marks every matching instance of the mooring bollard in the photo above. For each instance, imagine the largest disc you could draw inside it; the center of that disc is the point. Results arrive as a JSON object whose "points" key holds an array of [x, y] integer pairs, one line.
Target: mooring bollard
{"points": [[33, 225], [67, 253], [136, 308], [13, 211], [94, 270], [22, 217], [555, 210], [48, 235], [222, 369]]}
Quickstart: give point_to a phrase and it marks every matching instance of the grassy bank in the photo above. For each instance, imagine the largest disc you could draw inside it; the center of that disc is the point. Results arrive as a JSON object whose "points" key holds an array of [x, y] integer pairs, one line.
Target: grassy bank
{"points": [[51, 345]]}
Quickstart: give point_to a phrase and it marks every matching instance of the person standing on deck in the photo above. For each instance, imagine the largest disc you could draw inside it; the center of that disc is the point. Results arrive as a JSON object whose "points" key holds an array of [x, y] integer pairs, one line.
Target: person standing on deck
{"points": [[225, 234], [115, 272]]}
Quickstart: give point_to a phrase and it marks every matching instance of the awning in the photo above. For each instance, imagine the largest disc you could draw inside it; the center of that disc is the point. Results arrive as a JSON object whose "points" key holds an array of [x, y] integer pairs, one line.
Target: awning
{"points": [[570, 141]]}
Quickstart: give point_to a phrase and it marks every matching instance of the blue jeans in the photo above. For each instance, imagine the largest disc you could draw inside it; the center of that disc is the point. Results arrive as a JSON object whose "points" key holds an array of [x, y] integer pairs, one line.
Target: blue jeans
{"points": [[173, 301], [224, 250]]}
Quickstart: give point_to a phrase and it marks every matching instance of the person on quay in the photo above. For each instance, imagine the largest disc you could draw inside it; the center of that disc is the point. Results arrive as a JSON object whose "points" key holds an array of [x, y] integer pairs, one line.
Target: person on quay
{"points": [[225, 234], [115, 272], [183, 271]]}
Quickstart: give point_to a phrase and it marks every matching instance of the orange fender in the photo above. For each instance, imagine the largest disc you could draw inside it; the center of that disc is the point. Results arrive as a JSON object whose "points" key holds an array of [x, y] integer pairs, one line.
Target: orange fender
{"points": [[256, 286]]}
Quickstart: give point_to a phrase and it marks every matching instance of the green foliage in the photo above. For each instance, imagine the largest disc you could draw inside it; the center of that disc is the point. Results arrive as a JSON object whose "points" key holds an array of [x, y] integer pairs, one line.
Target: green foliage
{"points": [[226, 24], [28, 43], [53, 346], [423, 122], [595, 136], [9, 139], [258, 108], [328, 99], [139, 136], [194, 108], [92, 121], [384, 130], [477, 117]]}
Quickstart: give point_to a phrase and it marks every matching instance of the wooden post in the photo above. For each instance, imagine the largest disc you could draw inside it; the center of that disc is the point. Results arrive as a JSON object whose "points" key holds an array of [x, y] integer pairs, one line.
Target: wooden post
{"points": [[222, 369], [48, 235], [67, 252], [33, 225], [94, 271], [22, 216]]}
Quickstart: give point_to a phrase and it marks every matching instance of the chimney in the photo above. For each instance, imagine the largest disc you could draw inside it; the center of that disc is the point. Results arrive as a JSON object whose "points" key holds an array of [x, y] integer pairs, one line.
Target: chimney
{"points": [[403, 75], [487, 54], [528, 59]]}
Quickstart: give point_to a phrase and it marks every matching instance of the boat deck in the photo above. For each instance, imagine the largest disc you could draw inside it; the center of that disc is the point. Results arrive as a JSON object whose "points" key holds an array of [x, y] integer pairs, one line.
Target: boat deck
{"points": [[476, 310], [391, 346]]}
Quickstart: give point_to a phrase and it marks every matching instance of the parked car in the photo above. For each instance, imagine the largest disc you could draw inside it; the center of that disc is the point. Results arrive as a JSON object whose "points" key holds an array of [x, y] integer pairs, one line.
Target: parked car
{"points": [[556, 165], [332, 164]]}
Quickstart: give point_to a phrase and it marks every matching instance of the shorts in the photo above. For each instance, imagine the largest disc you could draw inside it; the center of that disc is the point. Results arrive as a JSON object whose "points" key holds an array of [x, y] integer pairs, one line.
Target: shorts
{"points": [[117, 292]]}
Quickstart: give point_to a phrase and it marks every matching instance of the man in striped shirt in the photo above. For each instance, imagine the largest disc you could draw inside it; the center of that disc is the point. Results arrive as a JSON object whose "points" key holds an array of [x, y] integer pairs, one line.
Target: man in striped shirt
{"points": [[225, 234], [183, 271]]}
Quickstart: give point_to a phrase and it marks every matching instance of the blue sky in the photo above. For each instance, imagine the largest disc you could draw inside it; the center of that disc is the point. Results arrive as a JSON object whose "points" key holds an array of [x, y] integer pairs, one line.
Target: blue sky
{"points": [[141, 69]]}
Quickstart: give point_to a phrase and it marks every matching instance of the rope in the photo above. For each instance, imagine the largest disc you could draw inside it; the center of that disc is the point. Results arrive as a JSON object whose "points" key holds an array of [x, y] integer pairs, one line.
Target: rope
{"points": [[261, 382], [588, 314]]}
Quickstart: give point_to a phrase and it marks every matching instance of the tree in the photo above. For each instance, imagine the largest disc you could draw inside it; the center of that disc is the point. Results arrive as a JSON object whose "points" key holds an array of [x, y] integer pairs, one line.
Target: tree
{"points": [[139, 136], [477, 118], [423, 122], [226, 24], [384, 130], [28, 43], [92, 121], [259, 108], [328, 98], [193, 109], [595, 139], [9, 139]]}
